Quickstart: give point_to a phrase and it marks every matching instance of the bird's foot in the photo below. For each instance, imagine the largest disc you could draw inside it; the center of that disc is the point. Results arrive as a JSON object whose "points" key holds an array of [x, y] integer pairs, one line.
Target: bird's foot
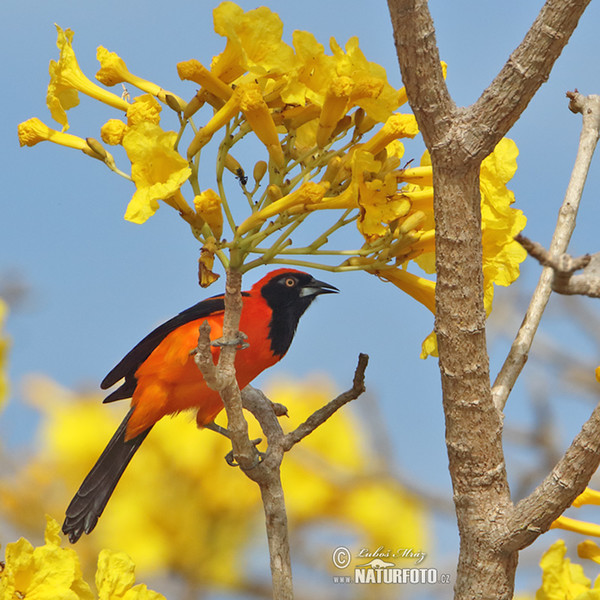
{"points": [[260, 456], [239, 341]]}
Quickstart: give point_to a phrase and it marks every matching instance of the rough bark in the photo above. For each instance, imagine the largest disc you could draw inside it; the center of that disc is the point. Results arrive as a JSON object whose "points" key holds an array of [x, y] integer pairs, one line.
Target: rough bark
{"points": [[458, 140]]}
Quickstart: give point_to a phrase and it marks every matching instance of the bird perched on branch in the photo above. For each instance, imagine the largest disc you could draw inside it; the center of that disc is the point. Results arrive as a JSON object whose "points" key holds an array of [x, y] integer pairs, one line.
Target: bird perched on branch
{"points": [[161, 377]]}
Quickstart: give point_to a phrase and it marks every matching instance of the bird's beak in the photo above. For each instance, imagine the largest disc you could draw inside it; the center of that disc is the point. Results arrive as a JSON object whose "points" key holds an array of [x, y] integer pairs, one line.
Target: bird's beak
{"points": [[316, 287]]}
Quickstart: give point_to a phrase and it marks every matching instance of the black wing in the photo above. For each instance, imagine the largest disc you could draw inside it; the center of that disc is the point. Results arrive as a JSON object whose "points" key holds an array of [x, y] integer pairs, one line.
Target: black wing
{"points": [[135, 357]]}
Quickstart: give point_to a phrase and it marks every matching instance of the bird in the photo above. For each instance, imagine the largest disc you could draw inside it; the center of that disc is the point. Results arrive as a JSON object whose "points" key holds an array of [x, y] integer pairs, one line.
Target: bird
{"points": [[161, 377]]}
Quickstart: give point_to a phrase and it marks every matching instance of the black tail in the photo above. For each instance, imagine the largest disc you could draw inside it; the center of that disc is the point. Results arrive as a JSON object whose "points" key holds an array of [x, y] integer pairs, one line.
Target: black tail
{"points": [[91, 498]]}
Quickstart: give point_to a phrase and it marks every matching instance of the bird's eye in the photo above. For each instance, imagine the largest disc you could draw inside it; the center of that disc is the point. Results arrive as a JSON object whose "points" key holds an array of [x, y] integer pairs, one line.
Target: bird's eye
{"points": [[290, 282]]}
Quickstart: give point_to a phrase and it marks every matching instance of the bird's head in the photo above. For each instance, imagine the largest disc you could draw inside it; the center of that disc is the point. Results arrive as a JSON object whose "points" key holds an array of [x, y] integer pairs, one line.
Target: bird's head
{"points": [[288, 293]]}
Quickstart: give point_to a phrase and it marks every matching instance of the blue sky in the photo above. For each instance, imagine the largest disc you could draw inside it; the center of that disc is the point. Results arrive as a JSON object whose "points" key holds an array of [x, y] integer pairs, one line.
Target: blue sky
{"points": [[98, 284]]}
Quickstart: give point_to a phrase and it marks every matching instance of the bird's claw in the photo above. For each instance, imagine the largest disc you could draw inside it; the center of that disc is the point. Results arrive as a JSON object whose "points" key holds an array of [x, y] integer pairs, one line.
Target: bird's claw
{"points": [[260, 456], [239, 341]]}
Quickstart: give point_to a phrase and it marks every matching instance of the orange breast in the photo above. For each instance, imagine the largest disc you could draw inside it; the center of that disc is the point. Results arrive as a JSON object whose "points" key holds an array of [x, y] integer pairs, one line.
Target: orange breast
{"points": [[169, 381]]}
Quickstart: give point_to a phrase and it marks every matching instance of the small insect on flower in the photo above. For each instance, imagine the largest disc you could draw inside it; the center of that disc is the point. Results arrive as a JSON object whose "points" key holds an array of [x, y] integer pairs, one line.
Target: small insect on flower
{"points": [[241, 176]]}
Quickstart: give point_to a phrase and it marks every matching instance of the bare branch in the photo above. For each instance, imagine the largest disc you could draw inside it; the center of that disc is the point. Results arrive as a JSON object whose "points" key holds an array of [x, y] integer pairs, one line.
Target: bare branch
{"points": [[267, 472], [564, 282], [320, 416], [527, 68], [222, 376], [517, 357], [534, 514], [419, 59]]}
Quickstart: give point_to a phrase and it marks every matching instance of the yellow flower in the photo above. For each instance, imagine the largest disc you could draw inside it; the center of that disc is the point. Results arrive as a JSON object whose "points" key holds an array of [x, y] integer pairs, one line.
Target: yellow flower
{"points": [[253, 42], [144, 108], [429, 346], [257, 113], [397, 126], [112, 132], [576, 526], [45, 573], [229, 110], [588, 496], [208, 206], [193, 70], [561, 578], [589, 550], [372, 91], [307, 194], [206, 275], [334, 108], [113, 70], [4, 345], [500, 222], [157, 170], [50, 572], [66, 79], [33, 131], [421, 289], [115, 579]]}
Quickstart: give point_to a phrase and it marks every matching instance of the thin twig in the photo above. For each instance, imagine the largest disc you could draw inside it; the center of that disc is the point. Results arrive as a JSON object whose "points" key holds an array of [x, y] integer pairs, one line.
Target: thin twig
{"points": [[517, 357], [320, 416]]}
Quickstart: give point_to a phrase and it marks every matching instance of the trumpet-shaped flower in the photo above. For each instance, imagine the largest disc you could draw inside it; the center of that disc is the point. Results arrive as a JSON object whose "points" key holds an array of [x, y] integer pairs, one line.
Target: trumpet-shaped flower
{"points": [[208, 207], [372, 92], [561, 578], [308, 193], [397, 126], [253, 43], [257, 113], [588, 496], [113, 70], [420, 288], [67, 79], [157, 170], [33, 131], [590, 550], [334, 108], [193, 70]]}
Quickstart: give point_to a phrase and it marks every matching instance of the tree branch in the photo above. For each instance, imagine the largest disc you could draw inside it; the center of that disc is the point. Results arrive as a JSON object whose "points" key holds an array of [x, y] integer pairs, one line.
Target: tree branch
{"points": [[527, 68], [221, 377], [267, 473], [517, 357], [458, 140], [419, 59], [320, 416], [534, 515]]}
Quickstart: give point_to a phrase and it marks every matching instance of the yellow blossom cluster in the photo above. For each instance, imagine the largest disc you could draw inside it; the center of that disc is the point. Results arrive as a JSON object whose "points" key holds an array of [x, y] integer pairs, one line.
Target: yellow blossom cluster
{"points": [[49, 572], [327, 129], [182, 494]]}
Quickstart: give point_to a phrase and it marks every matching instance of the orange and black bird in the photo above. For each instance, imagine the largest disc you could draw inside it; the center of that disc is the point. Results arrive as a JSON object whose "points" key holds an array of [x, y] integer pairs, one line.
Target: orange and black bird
{"points": [[161, 377]]}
